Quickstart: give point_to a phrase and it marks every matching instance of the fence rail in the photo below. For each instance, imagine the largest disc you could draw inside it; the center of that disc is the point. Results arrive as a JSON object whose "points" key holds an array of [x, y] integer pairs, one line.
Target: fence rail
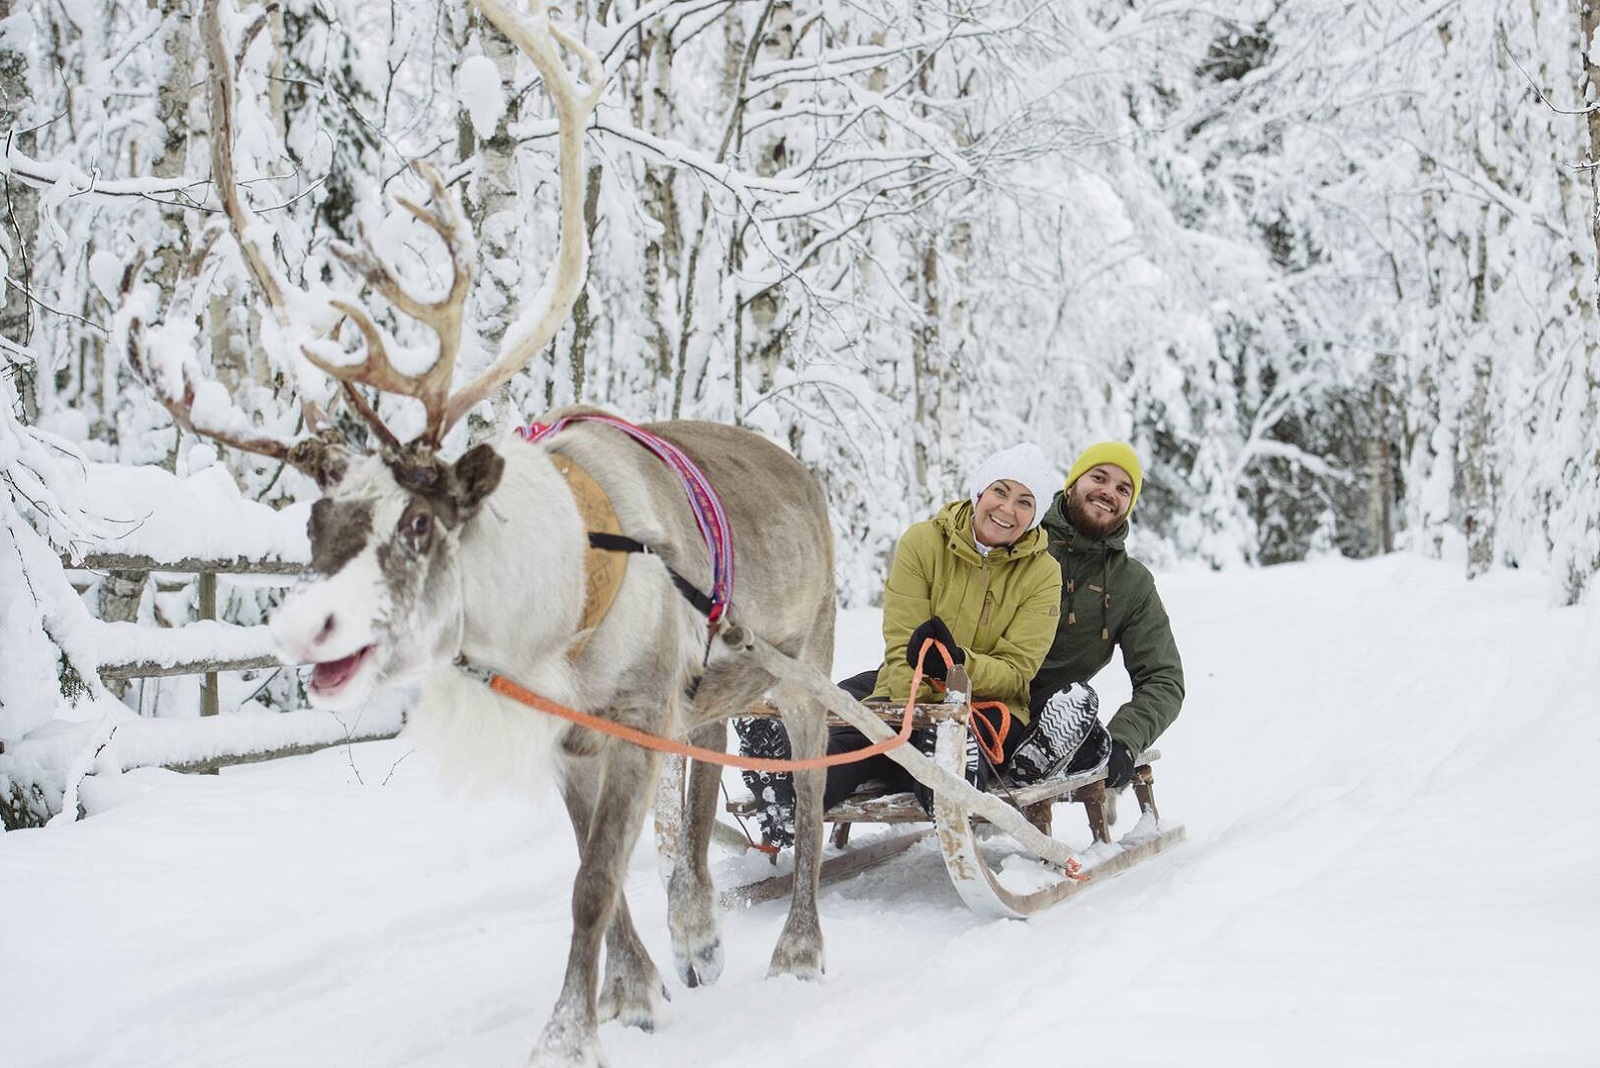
{"points": [[206, 572], [238, 565], [150, 669]]}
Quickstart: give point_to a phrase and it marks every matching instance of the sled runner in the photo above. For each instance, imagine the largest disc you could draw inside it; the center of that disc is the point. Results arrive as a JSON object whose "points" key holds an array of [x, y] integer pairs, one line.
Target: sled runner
{"points": [[975, 849]]}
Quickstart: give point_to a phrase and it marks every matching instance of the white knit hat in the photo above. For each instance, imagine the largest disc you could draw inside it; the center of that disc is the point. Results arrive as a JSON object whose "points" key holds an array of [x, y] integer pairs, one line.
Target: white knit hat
{"points": [[1023, 463]]}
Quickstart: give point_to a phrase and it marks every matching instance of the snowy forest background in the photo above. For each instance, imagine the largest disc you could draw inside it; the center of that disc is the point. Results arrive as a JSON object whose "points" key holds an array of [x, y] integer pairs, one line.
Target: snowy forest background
{"points": [[1329, 265]]}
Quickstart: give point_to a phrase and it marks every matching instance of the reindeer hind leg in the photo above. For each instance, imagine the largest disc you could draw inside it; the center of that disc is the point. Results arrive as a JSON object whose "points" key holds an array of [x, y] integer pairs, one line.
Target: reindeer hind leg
{"points": [[799, 951], [693, 914]]}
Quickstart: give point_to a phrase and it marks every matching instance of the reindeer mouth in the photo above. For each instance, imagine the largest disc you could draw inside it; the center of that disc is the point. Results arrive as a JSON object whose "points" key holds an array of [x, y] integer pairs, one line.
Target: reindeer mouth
{"points": [[331, 676]]}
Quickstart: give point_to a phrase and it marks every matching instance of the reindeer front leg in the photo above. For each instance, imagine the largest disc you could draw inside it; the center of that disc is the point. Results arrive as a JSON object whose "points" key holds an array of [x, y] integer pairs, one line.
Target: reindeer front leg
{"points": [[631, 989], [614, 797]]}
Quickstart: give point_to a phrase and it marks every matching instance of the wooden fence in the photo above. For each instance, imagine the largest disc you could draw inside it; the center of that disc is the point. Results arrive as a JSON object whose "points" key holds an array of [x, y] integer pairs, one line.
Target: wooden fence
{"points": [[193, 649], [33, 780], [173, 659]]}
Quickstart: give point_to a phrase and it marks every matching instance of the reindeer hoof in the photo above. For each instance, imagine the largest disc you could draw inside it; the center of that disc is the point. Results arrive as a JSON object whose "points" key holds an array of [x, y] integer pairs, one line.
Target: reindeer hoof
{"points": [[540, 1058], [641, 1005], [799, 959], [557, 1048], [700, 966]]}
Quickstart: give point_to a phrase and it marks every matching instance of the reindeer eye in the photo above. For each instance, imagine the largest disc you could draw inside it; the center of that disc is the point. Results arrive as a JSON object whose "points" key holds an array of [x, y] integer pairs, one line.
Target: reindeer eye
{"points": [[416, 527]]}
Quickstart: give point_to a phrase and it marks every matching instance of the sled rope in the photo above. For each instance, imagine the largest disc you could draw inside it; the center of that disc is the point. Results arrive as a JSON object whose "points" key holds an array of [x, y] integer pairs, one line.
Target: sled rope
{"points": [[991, 739], [507, 688]]}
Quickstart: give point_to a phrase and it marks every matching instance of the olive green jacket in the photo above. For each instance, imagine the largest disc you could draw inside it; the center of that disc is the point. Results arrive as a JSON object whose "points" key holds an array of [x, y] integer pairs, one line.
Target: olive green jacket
{"points": [[1001, 608], [1109, 599]]}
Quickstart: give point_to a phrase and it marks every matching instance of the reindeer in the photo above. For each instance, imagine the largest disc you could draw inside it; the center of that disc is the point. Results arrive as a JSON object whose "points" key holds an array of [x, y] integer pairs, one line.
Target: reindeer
{"points": [[426, 570], [418, 563]]}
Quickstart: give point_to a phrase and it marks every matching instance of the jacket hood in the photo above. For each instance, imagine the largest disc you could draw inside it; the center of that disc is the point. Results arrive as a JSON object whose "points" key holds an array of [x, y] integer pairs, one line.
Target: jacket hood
{"points": [[955, 522]]}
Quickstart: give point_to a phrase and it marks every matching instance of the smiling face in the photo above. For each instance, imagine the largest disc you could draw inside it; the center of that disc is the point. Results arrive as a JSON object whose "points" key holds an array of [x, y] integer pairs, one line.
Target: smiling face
{"points": [[1003, 514], [378, 605], [1099, 501]]}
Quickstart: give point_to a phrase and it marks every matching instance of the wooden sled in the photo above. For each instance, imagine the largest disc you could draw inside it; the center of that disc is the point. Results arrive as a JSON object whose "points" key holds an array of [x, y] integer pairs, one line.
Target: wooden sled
{"points": [[968, 857]]}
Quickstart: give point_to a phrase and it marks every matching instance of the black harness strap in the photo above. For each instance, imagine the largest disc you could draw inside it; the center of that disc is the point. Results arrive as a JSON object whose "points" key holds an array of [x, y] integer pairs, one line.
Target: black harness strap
{"points": [[621, 543]]}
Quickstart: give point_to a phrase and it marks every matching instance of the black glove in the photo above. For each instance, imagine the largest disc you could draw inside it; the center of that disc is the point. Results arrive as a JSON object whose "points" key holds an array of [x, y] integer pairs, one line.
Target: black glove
{"points": [[933, 667], [1119, 769]]}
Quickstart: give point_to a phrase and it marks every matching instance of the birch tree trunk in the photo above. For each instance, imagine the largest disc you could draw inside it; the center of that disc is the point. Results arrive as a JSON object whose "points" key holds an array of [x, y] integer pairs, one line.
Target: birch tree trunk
{"points": [[928, 366], [1475, 475], [663, 249], [21, 225], [733, 141], [492, 198], [1380, 454], [1583, 558], [1589, 93], [234, 327], [121, 592], [583, 319], [769, 153], [173, 97]]}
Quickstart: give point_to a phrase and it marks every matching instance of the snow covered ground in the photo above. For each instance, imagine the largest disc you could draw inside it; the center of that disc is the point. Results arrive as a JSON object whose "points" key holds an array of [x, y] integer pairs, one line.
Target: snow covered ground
{"points": [[1390, 778]]}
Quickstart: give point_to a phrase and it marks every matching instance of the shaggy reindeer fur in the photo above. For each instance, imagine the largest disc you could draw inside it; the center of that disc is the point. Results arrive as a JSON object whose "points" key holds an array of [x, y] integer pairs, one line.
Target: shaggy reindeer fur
{"points": [[493, 569]]}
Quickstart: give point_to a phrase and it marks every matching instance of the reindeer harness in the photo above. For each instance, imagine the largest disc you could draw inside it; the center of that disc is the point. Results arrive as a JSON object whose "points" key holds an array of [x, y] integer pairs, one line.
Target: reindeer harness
{"points": [[605, 575], [606, 539]]}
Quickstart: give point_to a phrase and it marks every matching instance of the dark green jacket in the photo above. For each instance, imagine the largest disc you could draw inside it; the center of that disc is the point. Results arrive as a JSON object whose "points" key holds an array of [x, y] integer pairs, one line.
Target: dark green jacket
{"points": [[1000, 608], [1109, 599]]}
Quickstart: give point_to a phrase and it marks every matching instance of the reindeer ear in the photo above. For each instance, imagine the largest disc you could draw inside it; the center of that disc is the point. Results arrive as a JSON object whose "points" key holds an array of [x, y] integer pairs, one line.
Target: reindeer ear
{"points": [[321, 458], [476, 475]]}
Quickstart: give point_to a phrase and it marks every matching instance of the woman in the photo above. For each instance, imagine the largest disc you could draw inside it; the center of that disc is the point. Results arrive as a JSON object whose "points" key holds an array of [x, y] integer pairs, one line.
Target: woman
{"points": [[977, 578]]}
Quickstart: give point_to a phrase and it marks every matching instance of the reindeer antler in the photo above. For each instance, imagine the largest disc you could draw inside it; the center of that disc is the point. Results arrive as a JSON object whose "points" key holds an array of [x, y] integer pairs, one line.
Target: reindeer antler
{"points": [[574, 102], [321, 455], [442, 316]]}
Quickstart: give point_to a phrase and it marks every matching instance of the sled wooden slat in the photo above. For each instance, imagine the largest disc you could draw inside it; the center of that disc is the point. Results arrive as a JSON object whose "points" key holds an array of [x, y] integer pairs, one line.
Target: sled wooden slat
{"points": [[985, 895], [975, 878], [926, 713], [867, 806], [1054, 789], [833, 868]]}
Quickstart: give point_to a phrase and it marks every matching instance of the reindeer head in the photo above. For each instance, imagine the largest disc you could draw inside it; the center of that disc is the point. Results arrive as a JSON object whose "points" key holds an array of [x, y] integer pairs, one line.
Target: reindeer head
{"points": [[380, 604]]}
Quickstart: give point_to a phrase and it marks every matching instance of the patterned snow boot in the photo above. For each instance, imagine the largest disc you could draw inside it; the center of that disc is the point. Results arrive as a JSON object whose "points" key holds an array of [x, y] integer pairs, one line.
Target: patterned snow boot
{"points": [[1066, 736], [773, 790]]}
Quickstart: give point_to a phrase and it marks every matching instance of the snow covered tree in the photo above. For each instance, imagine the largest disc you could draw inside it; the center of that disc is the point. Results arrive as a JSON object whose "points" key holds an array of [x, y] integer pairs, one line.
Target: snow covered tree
{"points": [[1330, 266]]}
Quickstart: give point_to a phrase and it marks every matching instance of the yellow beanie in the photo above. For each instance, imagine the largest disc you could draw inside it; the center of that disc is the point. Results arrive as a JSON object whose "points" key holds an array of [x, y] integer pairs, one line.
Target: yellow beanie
{"points": [[1110, 452]]}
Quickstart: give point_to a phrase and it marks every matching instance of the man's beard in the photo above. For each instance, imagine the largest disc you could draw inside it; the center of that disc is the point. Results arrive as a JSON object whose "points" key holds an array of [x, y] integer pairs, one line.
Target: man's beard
{"points": [[1091, 521]]}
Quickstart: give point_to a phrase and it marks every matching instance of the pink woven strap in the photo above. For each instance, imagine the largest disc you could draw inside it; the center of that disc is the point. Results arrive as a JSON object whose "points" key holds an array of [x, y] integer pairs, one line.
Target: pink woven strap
{"points": [[709, 515]]}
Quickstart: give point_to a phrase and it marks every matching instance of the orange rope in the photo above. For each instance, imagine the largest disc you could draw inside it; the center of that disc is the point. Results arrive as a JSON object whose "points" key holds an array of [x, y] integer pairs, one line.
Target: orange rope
{"points": [[506, 688], [991, 739]]}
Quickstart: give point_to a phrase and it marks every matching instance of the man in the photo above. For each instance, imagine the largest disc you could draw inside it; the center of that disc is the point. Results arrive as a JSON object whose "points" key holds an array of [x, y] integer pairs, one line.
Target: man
{"points": [[1109, 600]]}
